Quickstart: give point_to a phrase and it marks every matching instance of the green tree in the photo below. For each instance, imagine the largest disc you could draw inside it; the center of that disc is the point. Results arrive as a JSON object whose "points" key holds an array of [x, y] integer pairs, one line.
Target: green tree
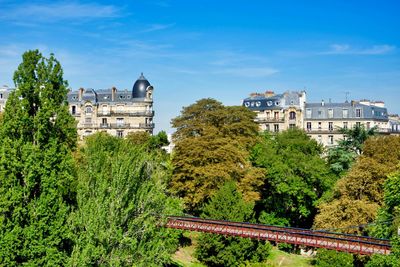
{"points": [[332, 258], [359, 194], [342, 156], [355, 137], [121, 200], [37, 136], [296, 177], [150, 141], [212, 145], [218, 250]]}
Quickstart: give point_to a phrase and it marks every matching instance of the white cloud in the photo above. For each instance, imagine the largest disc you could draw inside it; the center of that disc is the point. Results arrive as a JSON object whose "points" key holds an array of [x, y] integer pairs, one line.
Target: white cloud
{"points": [[158, 27], [346, 49], [249, 72], [58, 11]]}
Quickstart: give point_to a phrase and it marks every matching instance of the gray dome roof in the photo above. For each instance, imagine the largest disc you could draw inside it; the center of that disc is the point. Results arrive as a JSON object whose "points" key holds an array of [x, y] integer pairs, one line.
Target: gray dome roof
{"points": [[140, 86]]}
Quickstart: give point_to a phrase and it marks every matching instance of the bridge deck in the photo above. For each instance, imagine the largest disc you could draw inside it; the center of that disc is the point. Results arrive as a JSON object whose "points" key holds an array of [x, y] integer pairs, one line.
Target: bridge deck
{"points": [[335, 241]]}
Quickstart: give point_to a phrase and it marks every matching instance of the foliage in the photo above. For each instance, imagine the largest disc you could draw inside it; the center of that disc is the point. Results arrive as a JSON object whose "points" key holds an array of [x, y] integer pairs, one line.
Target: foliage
{"points": [[37, 135], [121, 201], [218, 250], [340, 159], [332, 258], [150, 141], [211, 147], [296, 177], [358, 195], [356, 137]]}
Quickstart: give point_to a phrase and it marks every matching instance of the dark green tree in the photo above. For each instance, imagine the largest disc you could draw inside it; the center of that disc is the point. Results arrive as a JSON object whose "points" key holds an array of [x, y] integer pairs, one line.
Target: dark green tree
{"points": [[121, 205], [37, 136], [355, 137], [296, 177], [212, 145], [218, 250], [332, 258]]}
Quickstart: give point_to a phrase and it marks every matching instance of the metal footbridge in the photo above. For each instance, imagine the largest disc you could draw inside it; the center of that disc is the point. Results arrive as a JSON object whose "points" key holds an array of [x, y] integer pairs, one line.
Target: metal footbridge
{"points": [[305, 237]]}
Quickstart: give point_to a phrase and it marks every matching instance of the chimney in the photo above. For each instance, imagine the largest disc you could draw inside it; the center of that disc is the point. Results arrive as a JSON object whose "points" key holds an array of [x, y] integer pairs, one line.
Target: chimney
{"points": [[113, 92], [366, 102], [269, 93], [80, 93]]}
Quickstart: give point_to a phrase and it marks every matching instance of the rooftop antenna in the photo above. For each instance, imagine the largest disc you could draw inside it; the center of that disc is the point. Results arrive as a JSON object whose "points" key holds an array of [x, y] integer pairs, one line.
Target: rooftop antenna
{"points": [[347, 96]]}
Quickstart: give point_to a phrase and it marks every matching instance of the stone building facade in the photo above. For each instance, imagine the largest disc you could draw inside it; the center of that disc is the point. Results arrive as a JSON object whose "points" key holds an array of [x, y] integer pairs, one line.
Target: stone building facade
{"points": [[277, 112], [322, 121], [117, 112]]}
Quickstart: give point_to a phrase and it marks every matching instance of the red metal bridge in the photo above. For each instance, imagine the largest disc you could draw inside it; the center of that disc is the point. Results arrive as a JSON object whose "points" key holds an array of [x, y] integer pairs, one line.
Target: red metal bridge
{"points": [[311, 238]]}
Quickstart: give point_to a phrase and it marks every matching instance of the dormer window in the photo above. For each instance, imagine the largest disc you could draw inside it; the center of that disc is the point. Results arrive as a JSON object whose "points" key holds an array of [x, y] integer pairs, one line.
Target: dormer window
{"points": [[89, 109]]}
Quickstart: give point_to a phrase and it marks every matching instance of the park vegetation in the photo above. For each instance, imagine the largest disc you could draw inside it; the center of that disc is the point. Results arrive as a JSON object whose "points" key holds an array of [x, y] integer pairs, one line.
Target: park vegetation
{"points": [[102, 202]]}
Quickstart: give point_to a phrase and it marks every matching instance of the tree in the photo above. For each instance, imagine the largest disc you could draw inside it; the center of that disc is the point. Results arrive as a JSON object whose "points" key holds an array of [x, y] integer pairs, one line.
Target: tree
{"points": [[332, 258], [37, 137], [212, 145], [296, 177], [342, 156], [355, 137], [218, 250], [150, 141], [359, 194], [121, 202]]}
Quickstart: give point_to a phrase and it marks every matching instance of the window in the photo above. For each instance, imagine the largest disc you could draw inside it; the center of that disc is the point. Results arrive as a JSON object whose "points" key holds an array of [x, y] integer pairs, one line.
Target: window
{"points": [[358, 124], [268, 114], [368, 125], [345, 113], [120, 134], [345, 125], [308, 113], [276, 128], [319, 138], [73, 110], [104, 120], [319, 125], [358, 113], [320, 114], [88, 120], [120, 121], [292, 126], [330, 126], [1, 96], [330, 113], [267, 127], [330, 139], [276, 115], [292, 115], [308, 126], [105, 109], [89, 109]]}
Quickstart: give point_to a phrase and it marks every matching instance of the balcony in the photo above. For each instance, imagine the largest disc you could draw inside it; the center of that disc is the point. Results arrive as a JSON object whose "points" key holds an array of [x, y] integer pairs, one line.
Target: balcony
{"points": [[146, 125], [323, 130], [76, 114], [105, 125], [120, 125], [126, 113], [271, 120]]}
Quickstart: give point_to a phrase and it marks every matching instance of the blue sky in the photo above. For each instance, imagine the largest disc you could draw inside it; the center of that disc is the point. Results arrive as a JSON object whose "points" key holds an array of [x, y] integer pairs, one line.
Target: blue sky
{"points": [[189, 50]]}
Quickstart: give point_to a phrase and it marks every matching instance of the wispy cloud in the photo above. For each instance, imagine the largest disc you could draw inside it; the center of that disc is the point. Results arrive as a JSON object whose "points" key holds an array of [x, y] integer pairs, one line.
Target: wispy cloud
{"points": [[346, 49], [57, 11], [158, 27], [249, 72]]}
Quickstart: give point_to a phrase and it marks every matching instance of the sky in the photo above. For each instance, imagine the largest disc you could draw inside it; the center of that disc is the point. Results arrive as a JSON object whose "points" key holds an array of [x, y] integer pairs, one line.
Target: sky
{"points": [[225, 50]]}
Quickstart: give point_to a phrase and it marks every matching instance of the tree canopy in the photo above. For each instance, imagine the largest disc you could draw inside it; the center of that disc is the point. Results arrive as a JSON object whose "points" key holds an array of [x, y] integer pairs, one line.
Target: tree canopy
{"points": [[212, 145], [218, 250], [121, 200], [37, 135], [296, 177], [358, 195]]}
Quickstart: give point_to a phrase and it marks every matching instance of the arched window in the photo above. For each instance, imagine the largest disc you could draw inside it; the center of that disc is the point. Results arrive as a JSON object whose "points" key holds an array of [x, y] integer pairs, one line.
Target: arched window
{"points": [[292, 115], [89, 109]]}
